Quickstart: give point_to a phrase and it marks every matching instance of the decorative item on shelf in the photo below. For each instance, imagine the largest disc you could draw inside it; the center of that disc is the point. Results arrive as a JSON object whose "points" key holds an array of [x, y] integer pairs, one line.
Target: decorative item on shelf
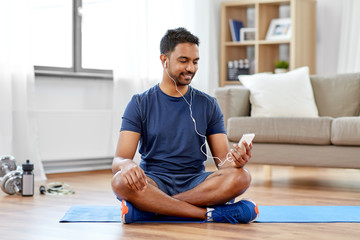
{"points": [[247, 34], [236, 68], [235, 26], [281, 66], [279, 29]]}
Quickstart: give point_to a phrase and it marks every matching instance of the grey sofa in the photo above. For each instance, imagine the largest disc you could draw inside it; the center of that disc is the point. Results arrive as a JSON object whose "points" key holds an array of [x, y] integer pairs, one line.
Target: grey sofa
{"points": [[330, 140]]}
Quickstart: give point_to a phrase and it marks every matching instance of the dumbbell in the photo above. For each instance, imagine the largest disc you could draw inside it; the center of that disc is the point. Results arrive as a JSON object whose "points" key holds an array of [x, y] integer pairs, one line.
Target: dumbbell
{"points": [[10, 175]]}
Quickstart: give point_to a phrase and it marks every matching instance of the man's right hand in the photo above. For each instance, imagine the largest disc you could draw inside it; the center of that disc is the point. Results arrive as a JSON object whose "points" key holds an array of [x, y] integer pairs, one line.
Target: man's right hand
{"points": [[123, 164], [133, 175]]}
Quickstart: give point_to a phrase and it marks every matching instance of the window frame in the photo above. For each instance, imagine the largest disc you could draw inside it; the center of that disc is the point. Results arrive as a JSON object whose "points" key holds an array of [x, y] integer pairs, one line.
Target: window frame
{"points": [[76, 70]]}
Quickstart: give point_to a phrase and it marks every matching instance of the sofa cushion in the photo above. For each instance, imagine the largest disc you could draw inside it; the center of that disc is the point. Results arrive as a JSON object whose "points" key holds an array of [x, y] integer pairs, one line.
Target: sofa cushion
{"points": [[338, 95], [234, 101], [346, 131], [282, 129], [281, 95]]}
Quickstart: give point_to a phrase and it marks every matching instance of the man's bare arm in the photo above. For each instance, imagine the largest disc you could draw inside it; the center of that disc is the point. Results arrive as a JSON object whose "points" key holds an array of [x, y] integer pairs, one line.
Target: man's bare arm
{"points": [[123, 161]]}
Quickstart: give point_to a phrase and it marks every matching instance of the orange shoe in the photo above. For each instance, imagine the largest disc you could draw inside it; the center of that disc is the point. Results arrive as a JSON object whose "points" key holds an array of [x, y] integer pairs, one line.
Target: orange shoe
{"points": [[131, 214]]}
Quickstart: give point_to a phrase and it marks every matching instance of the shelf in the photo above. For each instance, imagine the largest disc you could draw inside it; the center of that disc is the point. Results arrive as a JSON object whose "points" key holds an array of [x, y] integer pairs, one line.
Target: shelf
{"points": [[267, 42], [247, 43], [232, 82], [259, 42], [299, 50]]}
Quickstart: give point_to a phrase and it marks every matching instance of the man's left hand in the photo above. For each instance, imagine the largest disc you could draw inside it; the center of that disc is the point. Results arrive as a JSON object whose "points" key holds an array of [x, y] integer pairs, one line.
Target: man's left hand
{"points": [[239, 156]]}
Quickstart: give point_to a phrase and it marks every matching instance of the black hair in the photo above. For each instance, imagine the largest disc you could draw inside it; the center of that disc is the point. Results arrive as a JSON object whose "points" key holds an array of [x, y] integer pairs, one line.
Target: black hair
{"points": [[175, 36]]}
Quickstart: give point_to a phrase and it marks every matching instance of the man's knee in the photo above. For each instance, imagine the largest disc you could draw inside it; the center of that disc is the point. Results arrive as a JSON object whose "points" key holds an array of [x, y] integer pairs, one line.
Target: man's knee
{"points": [[119, 187], [241, 179]]}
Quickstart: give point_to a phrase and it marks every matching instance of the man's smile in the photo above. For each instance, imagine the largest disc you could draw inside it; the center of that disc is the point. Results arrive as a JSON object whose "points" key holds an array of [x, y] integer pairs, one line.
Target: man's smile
{"points": [[187, 76]]}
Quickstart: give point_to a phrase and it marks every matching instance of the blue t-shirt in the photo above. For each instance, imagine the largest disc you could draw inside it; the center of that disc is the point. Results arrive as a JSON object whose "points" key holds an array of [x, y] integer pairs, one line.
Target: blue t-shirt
{"points": [[168, 142]]}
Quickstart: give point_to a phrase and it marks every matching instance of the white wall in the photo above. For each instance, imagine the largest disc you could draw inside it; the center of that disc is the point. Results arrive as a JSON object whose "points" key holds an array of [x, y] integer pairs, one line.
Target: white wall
{"points": [[73, 118], [74, 115]]}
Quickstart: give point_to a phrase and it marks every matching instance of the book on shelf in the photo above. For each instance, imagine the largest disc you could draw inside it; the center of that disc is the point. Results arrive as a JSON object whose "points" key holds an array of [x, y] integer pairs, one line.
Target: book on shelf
{"points": [[235, 26]]}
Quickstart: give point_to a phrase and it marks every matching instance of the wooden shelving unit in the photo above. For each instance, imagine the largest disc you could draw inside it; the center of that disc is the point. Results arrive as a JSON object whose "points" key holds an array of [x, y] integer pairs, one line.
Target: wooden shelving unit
{"points": [[301, 47]]}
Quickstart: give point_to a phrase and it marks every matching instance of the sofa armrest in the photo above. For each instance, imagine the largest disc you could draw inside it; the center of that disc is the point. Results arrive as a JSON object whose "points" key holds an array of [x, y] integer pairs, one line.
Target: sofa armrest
{"points": [[233, 101]]}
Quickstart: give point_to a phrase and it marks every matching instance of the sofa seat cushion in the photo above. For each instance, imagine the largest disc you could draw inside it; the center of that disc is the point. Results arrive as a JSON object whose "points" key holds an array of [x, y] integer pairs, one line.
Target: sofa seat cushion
{"points": [[282, 129], [346, 131]]}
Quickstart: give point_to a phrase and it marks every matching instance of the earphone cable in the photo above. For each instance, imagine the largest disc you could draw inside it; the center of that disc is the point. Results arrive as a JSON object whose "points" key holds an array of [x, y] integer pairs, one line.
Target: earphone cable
{"points": [[228, 155]]}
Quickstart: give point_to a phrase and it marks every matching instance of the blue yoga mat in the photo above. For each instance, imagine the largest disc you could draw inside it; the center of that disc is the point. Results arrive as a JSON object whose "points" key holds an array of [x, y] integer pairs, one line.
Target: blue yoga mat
{"points": [[111, 214], [308, 214], [268, 214], [92, 214]]}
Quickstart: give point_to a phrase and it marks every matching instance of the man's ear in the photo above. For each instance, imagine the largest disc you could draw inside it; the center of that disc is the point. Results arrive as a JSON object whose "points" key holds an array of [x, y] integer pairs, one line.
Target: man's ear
{"points": [[163, 59]]}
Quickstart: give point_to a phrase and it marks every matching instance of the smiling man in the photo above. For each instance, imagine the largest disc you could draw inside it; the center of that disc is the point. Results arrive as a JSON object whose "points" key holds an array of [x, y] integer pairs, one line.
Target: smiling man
{"points": [[172, 122]]}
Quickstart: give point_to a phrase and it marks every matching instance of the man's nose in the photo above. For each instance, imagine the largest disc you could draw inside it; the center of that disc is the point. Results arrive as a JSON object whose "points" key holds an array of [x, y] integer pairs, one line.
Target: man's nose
{"points": [[191, 67]]}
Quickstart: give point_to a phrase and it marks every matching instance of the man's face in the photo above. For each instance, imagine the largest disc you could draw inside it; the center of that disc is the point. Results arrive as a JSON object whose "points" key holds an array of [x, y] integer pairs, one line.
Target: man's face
{"points": [[183, 63]]}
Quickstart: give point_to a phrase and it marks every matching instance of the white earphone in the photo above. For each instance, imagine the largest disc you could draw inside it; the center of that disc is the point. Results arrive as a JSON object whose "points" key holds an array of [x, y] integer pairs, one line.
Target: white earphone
{"points": [[228, 156]]}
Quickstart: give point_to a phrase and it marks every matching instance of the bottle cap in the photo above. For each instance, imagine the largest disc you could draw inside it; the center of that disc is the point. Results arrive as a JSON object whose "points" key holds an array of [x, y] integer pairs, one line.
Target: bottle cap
{"points": [[28, 166]]}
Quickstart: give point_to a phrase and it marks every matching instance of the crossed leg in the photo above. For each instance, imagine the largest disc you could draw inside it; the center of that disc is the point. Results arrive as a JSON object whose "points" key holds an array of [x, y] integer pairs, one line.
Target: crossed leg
{"points": [[219, 187]]}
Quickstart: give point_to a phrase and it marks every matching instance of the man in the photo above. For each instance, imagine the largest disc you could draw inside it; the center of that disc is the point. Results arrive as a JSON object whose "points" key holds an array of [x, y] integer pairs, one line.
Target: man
{"points": [[171, 121]]}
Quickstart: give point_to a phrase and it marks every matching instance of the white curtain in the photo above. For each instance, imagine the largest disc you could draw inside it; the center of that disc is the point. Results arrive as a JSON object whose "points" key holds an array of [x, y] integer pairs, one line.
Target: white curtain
{"points": [[138, 65], [17, 127], [349, 50]]}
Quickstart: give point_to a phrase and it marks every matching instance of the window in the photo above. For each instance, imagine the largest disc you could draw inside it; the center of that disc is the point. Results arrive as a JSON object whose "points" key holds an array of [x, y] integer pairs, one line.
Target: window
{"points": [[92, 37], [51, 33], [72, 36], [98, 33]]}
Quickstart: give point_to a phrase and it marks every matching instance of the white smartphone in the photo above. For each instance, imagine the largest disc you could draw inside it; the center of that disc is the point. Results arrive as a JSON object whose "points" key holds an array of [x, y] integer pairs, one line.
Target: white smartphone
{"points": [[247, 137]]}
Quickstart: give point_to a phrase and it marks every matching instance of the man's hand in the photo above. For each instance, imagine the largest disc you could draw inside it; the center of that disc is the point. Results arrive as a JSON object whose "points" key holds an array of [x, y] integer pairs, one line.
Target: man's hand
{"points": [[123, 164], [133, 176], [239, 156]]}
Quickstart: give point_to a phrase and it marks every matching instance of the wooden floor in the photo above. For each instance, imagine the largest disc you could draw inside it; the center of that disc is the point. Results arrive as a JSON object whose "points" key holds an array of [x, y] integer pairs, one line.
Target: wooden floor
{"points": [[38, 217]]}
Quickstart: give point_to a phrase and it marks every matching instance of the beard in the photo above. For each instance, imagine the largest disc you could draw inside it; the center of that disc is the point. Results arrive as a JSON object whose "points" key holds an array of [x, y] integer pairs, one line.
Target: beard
{"points": [[183, 79]]}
